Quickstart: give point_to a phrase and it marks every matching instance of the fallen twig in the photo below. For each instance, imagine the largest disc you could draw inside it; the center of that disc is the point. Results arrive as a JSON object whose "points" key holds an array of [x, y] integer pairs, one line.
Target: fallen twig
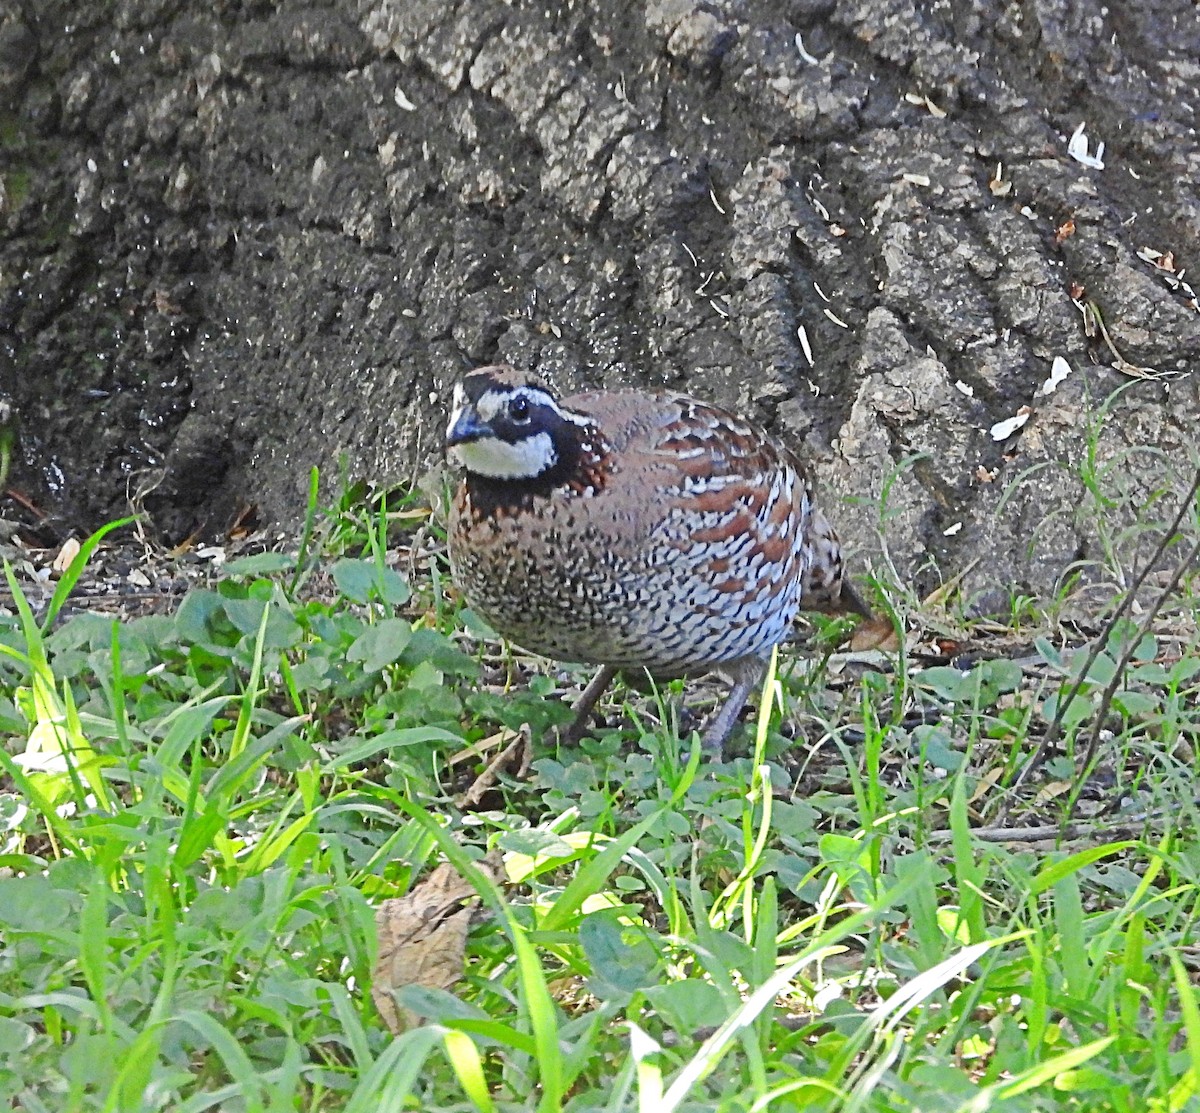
{"points": [[519, 750]]}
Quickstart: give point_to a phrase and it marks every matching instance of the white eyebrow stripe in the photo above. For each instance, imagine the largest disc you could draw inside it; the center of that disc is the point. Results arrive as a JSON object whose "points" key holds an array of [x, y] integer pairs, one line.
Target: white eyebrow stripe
{"points": [[490, 403], [494, 401]]}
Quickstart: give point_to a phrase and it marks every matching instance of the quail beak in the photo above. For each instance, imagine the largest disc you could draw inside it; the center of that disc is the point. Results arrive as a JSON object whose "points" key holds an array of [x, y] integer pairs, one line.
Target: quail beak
{"points": [[466, 427]]}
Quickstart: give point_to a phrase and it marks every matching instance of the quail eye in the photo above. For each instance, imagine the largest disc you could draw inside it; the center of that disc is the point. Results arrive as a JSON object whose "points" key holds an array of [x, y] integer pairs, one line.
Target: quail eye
{"points": [[518, 409]]}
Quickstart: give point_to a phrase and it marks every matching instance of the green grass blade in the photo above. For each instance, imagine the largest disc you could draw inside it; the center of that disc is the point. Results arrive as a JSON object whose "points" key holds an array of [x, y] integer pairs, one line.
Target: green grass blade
{"points": [[303, 563], [70, 577], [592, 877], [250, 693], [463, 1057], [1048, 1071], [643, 1050], [93, 948], [535, 994], [393, 1077], [1185, 990], [237, 1063], [1050, 875]]}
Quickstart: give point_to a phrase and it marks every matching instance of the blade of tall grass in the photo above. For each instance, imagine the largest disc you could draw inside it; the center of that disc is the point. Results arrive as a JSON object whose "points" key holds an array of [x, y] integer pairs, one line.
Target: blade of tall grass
{"points": [[643, 1050], [70, 576], [303, 564], [464, 1059], [392, 1079], [1038, 1075], [535, 999], [250, 692], [1189, 1008], [735, 1026], [94, 947], [247, 1081]]}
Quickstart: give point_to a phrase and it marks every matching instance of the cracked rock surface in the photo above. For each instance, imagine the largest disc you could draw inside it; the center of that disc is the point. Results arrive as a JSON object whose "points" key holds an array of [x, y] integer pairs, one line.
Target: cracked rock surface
{"points": [[242, 240]]}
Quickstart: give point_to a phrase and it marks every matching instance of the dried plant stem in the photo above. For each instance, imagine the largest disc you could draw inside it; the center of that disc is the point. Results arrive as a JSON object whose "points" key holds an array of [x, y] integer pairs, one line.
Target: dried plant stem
{"points": [[1110, 689], [1054, 731]]}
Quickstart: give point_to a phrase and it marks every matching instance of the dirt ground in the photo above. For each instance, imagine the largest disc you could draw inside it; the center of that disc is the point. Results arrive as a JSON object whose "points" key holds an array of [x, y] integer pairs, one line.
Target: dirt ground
{"points": [[241, 239]]}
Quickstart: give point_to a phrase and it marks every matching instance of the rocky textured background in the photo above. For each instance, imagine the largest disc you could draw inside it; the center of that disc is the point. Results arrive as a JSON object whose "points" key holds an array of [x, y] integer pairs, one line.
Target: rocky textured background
{"points": [[243, 238]]}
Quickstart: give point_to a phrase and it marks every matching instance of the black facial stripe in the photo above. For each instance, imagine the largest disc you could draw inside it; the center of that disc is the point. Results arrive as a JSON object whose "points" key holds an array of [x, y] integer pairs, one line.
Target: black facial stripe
{"points": [[479, 383], [476, 386]]}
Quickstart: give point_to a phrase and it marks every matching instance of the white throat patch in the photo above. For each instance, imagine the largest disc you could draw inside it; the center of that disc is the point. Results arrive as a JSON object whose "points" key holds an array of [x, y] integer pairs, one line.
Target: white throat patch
{"points": [[497, 459]]}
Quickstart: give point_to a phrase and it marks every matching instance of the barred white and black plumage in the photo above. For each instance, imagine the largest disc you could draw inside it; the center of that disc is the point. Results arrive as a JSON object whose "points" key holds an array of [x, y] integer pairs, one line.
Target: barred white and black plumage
{"points": [[634, 531]]}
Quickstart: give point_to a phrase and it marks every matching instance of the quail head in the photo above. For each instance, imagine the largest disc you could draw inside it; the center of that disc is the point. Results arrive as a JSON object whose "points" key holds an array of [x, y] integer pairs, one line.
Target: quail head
{"points": [[634, 531]]}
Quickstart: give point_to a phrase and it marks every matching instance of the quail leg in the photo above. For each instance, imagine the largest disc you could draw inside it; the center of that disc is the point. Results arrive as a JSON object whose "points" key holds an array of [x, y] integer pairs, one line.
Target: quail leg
{"points": [[584, 704], [746, 675]]}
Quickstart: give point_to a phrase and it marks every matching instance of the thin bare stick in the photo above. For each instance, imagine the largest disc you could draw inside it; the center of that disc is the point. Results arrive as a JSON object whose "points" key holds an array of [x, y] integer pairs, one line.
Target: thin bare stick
{"points": [[1130, 827], [1055, 729], [516, 752], [1110, 689], [1126, 826]]}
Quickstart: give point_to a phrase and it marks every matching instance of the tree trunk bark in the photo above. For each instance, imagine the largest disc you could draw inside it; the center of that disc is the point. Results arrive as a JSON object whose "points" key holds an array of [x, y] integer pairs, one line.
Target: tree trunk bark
{"points": [[241, 239]]}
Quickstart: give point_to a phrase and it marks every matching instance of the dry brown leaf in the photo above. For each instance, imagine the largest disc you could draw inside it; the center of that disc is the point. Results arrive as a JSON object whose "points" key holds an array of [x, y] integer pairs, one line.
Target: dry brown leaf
{"points": [[1052, 790], [245, 522], [423, 939], [571, 993], [186, 545], [941, 594], [874, 633], [986, 783], [68, 552]]}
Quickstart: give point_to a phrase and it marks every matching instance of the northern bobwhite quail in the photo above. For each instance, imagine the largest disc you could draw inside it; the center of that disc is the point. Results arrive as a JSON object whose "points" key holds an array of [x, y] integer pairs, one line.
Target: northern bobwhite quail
{"points": [[634, 531]]}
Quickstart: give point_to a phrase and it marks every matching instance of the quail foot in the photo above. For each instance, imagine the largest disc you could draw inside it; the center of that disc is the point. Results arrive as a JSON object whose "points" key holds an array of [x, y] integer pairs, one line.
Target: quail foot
{"points": [[633, 531]]}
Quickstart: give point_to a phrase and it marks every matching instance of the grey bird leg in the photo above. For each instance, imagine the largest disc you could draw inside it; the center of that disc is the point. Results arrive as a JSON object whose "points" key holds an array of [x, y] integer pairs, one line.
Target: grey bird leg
{"points": [[583, 706], [746, 675]]}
